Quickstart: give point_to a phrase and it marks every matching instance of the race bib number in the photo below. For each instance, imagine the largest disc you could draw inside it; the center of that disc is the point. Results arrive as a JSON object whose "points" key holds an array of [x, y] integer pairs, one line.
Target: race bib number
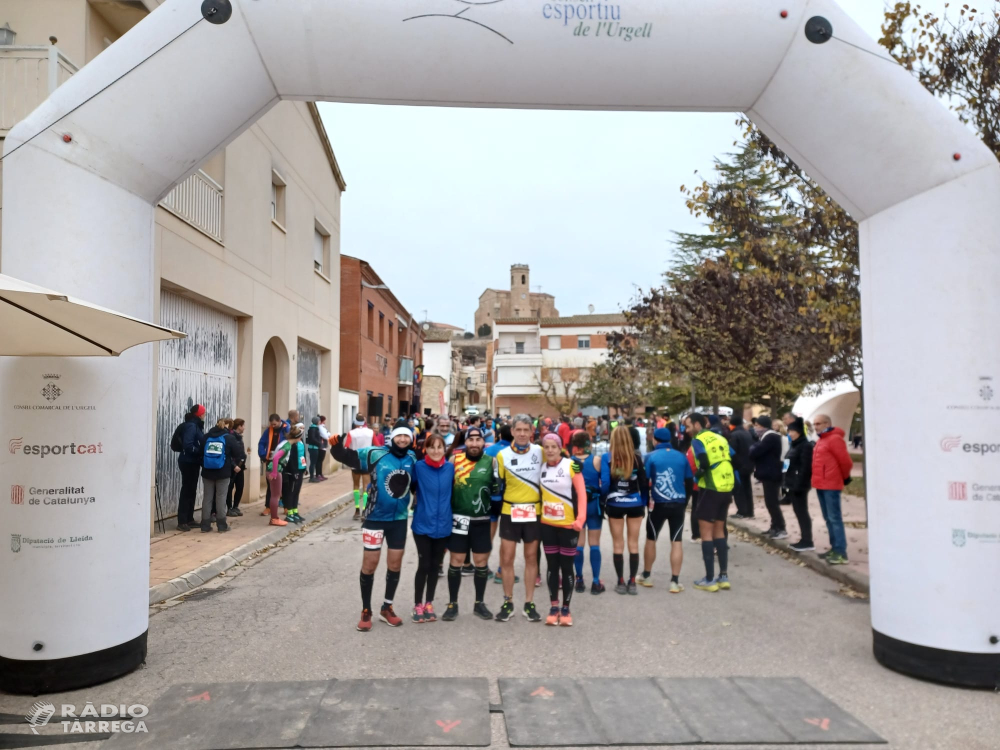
{"points": [[554, 510], [372, 538], [523, 513], [460, 525]]}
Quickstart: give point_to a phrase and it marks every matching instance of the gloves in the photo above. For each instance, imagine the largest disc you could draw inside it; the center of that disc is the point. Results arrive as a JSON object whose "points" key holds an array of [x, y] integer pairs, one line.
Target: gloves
{"points": [[848, 481], [337, 439]]}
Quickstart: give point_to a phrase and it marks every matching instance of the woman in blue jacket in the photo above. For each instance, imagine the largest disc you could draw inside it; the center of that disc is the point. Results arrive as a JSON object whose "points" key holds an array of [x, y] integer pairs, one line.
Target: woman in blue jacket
{"points": [[432, 522]]}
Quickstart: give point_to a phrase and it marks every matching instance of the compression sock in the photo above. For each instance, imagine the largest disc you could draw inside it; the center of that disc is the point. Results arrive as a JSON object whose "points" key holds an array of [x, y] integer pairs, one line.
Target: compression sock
{"points": [[708, 554], [357, 499], [367, 583], [578, 562], [646, 573], [552, 572], [364, 500], [391, 582], [480, 580], [595, 562], [633, 565], [722, 549], [567, 579], [454, 582], [619, 566], [674, 579]]}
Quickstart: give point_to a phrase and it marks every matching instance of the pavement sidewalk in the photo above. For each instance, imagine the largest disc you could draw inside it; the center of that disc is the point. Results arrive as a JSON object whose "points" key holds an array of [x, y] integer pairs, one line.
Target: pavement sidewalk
{"points": [[180, 561], [854, 510]]}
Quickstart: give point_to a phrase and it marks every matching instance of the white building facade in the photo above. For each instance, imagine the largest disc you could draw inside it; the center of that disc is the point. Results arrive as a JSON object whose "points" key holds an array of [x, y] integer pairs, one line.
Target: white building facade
{"points": [[530, 358]]}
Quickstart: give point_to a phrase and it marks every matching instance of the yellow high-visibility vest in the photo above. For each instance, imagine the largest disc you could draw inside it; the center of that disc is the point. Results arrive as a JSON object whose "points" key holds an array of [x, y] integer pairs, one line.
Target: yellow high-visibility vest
{"points": [[720, 475]]}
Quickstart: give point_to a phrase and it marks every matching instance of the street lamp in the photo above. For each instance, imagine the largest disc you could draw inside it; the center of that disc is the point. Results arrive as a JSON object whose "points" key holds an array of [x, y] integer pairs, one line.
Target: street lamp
{"points": [[7, 35]]}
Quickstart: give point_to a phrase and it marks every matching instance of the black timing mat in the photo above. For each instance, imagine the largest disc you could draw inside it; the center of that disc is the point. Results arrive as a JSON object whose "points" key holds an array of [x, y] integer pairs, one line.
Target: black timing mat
{"points": [[455, 712]]}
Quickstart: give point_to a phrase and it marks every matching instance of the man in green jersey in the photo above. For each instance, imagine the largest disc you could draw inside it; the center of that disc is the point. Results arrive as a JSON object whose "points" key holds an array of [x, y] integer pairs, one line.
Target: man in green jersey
{"points": [[470, 503]]}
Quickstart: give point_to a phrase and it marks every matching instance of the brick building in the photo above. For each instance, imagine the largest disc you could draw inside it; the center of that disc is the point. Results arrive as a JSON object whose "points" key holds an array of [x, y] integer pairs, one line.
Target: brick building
{"points": [[380, 343], [517, 302]]}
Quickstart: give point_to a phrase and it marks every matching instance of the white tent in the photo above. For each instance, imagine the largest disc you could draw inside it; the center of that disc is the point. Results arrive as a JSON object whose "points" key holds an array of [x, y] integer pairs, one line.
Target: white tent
{"points": [[839, 401]]}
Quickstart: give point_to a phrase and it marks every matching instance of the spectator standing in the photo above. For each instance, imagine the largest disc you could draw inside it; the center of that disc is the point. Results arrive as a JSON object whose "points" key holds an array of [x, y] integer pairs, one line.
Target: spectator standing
{"points": [[190, 437], [292, 473], [741, 442], [831, 471], [277, 431], [314, 443], [220, 455], [564, 430], [235, 492], [324, 436], [797, 480], [766, 458]]}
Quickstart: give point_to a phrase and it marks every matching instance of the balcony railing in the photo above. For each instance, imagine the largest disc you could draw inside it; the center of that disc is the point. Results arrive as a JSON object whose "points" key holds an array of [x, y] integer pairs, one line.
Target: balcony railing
{"points": [[405, 371], [198, 201], [28, 75], [526, 349]]}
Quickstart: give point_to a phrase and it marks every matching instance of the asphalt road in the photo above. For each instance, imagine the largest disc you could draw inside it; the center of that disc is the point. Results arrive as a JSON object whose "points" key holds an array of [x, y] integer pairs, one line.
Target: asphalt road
{"points": [[290, 615]]}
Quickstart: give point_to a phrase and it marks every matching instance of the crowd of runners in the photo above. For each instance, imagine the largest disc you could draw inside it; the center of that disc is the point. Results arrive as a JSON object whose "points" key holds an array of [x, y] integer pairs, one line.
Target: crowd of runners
{"points": [[456, 486]]}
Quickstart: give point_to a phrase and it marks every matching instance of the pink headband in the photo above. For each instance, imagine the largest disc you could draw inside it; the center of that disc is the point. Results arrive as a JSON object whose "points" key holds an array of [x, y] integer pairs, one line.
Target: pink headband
{"points": [[554, 438]]}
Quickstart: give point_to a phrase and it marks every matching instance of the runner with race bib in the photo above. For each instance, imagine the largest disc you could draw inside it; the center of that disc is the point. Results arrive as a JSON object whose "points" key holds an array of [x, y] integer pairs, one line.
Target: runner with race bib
{"points": [[384, 517], [564, 512], [518, 469], [470, 506]]}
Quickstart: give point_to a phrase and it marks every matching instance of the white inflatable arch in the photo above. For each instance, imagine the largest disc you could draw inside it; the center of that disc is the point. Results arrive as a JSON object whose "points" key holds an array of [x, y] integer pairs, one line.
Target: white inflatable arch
{"points": [[82, 177]]}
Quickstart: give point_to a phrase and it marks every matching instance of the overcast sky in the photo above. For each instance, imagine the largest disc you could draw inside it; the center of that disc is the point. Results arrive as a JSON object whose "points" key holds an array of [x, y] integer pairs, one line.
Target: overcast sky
{"points": [[442, 201]]}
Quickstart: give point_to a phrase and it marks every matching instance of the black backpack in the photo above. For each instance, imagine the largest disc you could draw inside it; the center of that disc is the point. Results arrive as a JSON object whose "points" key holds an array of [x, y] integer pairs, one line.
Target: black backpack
{"points": [[177, 441]]}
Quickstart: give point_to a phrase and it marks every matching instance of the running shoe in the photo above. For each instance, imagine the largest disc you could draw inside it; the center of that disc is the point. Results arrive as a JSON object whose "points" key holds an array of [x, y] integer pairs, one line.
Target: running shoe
{"points": [[770, 532], [565, 618], [266, 512], [723, 581], [597, 588], [468, 570], [676, 588], [499, 578], [418, 614], [538, 581], [451, 612], [429, 615], [440, 571], [695, 540], [490, 574], [621, 588], [506, 611], [357, 514], [706, 585], [389, 617], [835, 558], [553, 618], [824, 555], [277, 522], [299, 518], [632, 588], [803, 546], [646, 581], [366, 621], [580, 586], [531, 612], [780, 534], [480, 610]]}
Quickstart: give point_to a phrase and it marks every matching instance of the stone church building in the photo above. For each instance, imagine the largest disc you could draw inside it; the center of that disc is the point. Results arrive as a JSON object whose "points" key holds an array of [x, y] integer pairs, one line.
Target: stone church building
{"points": [[518, 302]]}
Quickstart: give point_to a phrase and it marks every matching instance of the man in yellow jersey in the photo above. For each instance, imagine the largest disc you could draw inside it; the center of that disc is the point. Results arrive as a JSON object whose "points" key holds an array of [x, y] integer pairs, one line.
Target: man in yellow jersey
{"points": [[715, 476], [518, 470]]}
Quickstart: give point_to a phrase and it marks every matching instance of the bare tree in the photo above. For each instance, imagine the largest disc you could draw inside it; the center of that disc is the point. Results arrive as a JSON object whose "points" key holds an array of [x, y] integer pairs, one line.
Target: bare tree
{"points": [[561, 393]]}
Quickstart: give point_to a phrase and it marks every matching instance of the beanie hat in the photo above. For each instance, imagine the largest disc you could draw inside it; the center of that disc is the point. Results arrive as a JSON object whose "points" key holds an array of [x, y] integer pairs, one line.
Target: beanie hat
{"points": [[662, 435], [713, 420], [764, 421], [554, 437], [198, 410], [315, 420], [798, 425]]}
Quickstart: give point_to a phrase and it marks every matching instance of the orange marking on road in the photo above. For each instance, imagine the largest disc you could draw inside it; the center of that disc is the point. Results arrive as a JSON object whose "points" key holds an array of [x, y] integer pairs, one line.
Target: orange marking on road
{"points": [[823, 724], [447, 726], [203, 697], [542, 693]]}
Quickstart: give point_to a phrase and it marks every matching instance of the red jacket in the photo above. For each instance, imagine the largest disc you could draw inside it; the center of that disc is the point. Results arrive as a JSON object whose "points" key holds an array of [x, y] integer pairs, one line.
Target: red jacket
{"points": [[565, 432], [831, 464]]}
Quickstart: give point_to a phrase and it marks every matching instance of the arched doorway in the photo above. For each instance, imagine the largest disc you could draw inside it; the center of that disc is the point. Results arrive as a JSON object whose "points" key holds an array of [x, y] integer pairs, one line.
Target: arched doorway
{"points": [[473, 397], [274, 380]]}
